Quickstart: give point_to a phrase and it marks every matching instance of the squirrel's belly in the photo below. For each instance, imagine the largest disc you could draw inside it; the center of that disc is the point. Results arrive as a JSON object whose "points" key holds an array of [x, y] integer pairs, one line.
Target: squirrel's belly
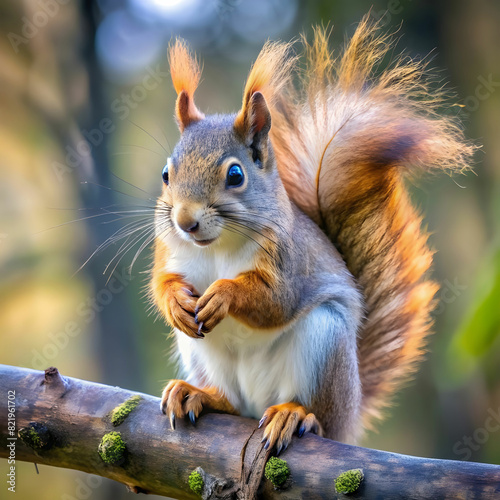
{"points": [[256, 368]]}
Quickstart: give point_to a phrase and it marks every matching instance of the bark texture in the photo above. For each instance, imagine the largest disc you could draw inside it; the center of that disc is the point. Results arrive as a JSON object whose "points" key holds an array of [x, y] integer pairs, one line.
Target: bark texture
{"points": [[60, 421]]}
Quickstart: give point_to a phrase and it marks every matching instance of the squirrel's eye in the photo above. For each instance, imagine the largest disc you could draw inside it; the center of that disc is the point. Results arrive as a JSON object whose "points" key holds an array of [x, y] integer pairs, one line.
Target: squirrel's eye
{"points": [[164, 174], [235, 176]]}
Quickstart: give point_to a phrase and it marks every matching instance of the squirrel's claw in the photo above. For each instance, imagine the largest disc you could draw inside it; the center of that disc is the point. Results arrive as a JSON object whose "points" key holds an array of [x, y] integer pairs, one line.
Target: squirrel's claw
{"points": [[213, 306], [283, 421], [310, 424], [192, 417], [180, 399]]}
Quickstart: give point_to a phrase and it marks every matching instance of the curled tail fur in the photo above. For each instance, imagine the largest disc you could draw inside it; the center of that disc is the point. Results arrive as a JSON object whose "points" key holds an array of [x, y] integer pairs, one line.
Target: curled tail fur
{"points": [[345, 141]]}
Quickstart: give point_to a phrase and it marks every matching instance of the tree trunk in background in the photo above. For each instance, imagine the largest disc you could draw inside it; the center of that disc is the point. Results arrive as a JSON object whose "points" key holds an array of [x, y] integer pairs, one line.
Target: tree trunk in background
{"points": [[117, 338]]}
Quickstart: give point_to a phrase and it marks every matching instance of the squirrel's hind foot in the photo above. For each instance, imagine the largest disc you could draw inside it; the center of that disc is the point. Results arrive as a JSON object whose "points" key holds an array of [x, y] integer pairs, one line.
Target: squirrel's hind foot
{"points": [[283, 421], [180, 399]]}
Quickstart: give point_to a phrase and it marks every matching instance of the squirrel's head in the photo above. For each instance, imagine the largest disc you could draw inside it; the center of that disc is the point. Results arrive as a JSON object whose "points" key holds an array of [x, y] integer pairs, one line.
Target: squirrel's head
{"points": [[222, 171]]}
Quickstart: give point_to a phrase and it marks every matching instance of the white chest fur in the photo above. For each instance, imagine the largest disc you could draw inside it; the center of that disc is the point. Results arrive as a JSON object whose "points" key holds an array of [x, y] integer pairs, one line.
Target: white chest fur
{"points": [[202, 266], [257, 369], [254, 368]]}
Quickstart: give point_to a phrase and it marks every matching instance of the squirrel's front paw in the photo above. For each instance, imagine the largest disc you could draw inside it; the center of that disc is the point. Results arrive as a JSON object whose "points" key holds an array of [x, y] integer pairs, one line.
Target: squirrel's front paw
{"points": [[181, 305], [213, 306], [283, 420]]}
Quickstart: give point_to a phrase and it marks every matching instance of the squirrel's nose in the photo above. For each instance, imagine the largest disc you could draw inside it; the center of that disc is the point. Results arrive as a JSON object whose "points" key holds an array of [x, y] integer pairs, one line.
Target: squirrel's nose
{"points": [[190, 227], [188, 216], [187, 224]]}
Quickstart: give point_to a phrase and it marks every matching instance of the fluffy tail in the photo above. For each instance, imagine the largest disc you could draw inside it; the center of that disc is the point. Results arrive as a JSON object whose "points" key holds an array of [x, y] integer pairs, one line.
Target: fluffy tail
{"points": [[344, 143]]}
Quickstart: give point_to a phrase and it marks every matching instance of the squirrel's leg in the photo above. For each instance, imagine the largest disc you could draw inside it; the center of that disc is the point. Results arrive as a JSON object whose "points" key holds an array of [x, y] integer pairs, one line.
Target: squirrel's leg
{"points": [[248, 298], [180, 399], [326, 353], [283, 421]]}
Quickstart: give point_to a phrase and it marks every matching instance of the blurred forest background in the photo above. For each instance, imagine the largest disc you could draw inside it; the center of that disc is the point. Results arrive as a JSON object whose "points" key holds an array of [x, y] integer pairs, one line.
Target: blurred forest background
{"points": [[86, 124]]}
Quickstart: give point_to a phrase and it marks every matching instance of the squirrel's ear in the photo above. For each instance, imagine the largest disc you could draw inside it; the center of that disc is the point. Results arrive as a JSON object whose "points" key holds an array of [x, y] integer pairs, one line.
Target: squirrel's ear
{"points": [[186, 111], [253, 122], [186, 74]]}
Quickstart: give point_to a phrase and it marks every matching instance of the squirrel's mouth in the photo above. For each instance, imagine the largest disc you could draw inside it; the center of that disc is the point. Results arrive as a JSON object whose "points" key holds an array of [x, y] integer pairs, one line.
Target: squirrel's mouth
{"points": [[203, 243]]}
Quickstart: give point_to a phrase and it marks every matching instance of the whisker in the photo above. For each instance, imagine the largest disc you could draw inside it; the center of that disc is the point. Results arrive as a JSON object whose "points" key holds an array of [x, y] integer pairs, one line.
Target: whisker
{"points": [[129, 229], [113, 205], [248, 213], [148, 239], [122, 246], [256, 231], [150, 135], [116, 236], [120, 218], [94, 216], [124, 250], [249, 223], [136, 146], [114, 190], [150, 195], [219, 208], [245, 219], [165, 204], [146, 242], [165, 137], [250, 219], [235, 230], [146, 231], [228, 204]]}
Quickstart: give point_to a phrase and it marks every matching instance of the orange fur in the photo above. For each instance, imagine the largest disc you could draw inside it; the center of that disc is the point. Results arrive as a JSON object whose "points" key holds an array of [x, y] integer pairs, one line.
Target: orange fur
{"points": [[270, 72], [283, 420], [186, 74], [344, 143], [184, 68], [175, 298], [180, 399], [237, 297]]}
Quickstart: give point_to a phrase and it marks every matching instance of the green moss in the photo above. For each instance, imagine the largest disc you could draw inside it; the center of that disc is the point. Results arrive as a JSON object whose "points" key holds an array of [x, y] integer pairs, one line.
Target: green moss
{"points": [[30, 437], [349, 481], [277, 471], [35, 436], [196, 482], [112, 448], [121, 412]]}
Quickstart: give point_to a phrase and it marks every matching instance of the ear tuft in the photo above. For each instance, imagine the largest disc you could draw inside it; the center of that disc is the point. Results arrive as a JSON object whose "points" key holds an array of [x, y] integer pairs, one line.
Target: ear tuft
{"points": [[271, 71], [268, 78], [186, 74], [184, 67]]}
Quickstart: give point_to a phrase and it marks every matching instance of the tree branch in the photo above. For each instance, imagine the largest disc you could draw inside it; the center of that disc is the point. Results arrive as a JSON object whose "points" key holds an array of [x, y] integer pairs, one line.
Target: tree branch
{"points": [[61, 421]]}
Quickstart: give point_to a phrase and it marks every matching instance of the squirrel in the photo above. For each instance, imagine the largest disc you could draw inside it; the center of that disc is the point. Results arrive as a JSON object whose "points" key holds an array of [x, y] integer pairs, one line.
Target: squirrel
{"points": [[289, 259]]}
